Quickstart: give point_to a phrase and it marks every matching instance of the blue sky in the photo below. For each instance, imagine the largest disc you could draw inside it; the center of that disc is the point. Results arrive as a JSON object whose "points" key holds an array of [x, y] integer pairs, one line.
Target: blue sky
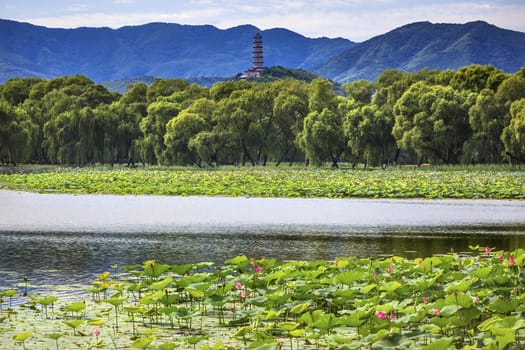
{"points": [[356, 20]]}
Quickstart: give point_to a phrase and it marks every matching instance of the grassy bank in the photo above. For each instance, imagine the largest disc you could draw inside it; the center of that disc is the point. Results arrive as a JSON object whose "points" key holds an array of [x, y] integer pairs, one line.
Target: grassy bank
{"points": [[440, 302], [398, 182]]}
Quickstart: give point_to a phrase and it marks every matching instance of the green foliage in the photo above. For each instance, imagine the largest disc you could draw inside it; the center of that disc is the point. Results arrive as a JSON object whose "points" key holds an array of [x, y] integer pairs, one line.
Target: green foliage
{"points": [[452, 182], [428, 303], [445, 117]]}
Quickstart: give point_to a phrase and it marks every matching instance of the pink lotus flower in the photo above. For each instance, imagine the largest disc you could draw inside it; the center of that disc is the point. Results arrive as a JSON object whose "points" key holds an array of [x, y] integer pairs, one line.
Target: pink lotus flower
{"points": [[404, 278], [392, 316], [425, 300], [238, 286], [436, 312], [243, 294], [258, 269], [488, 250], [501, 257], [381, 315], [511, 260], [389, 270], [96, 332]]}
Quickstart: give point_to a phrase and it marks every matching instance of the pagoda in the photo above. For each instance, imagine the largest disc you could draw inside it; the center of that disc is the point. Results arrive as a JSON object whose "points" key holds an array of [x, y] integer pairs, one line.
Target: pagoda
{"points": [[258, 58]]}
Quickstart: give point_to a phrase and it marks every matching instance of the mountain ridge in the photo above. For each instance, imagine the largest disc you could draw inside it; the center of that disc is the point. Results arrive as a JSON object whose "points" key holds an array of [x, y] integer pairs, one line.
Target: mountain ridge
{"points": [[171, 50], [153, 49], [419, 45]]}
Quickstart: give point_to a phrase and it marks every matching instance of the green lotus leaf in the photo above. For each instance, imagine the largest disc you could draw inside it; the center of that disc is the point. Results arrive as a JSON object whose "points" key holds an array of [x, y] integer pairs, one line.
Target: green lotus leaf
{"points": [[152, 298], [76, 306], [300, 308], [325, 322], [393, 341], [348, 277], [181, 269], [460, 286], [240, 261], [368, 288], [482, 272], [171, 346], [160, 285], [55, 336], [47, 300], [195, 293], [22, 337], [143, 342], [116, 301], [356, 319], [288, 326], [154, 269], [390, 287], [243, 331], [503, 306], [443, 343]]}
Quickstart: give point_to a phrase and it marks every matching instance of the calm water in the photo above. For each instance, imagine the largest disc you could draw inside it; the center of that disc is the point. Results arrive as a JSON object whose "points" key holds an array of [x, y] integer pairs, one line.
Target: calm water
{"points": [[52, 237]]}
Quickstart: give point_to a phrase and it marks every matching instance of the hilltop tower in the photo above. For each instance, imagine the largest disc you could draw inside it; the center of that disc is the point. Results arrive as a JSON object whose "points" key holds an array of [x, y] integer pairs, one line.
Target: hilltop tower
{"points": [[258, 59]]}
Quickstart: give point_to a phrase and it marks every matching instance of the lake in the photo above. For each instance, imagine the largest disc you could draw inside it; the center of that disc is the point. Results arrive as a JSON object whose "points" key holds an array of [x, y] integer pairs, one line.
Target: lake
{"points": [[53, 237]]}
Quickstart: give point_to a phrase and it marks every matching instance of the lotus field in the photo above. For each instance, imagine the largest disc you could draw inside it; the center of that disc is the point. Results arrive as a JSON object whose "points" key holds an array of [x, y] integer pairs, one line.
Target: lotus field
{"points": [[466, 301], [498, 183]]}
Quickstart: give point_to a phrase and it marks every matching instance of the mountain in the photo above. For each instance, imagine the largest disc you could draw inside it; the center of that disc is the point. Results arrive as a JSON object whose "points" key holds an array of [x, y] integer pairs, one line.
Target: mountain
{"points": [[201, 52], [425, 45], [155, 49]]}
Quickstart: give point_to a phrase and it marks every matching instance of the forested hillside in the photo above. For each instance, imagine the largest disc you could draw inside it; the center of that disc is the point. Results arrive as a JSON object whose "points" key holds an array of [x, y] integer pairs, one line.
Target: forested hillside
{"points": [[164, 50], [428, 45], [473, 115]]}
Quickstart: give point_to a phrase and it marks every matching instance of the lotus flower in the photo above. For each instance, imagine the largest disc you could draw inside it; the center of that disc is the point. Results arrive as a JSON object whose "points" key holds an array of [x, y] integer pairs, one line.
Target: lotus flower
{"points": [[511, 260], [381, 315]]}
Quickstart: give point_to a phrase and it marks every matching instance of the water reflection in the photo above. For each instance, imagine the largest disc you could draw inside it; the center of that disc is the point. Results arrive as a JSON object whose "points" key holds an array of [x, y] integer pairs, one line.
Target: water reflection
{"points": [[51, 258]]}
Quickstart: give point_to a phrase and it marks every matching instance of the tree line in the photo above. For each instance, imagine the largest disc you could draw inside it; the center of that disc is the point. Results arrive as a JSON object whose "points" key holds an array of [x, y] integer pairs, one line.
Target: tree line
{"points": [[473, 115]]}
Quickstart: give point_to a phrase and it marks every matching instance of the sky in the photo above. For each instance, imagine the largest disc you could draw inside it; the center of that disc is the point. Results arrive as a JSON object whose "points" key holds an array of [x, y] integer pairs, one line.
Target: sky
{"points": [[357, 20]]}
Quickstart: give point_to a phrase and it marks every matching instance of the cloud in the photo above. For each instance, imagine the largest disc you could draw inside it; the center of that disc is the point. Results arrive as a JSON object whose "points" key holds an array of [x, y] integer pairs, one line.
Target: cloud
{"points": [[356, 20], [77, 8]]}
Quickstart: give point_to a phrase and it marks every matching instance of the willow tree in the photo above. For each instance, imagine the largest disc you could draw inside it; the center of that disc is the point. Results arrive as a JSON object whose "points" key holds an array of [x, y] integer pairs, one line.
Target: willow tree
{"points": [[513, 136], [432, 121]]}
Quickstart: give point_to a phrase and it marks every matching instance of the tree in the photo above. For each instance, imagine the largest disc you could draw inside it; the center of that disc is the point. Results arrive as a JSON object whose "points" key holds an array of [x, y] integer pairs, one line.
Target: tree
{"points": [[165, 87], [289, 110], [153, 128], [477, 77], [487, 119], [16, 90], [368, 132], [321, 96], [361, 91], [513, 135], [15, 134], [322, 137], [180, 130], [433, 121]]}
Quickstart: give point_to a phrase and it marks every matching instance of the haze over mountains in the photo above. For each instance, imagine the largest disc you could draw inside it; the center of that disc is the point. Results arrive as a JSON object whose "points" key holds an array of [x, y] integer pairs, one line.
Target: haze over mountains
{"points": [[183, 51]]}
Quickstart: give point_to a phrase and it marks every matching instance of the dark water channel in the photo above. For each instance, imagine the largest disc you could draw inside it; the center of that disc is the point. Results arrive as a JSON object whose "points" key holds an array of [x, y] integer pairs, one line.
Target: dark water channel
{"points": [[57, 238]]}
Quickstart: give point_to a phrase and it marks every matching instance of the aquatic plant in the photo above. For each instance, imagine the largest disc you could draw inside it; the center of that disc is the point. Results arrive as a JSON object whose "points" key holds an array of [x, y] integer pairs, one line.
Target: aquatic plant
{"points": [[279, 182], [22, 337], [455, 300]]}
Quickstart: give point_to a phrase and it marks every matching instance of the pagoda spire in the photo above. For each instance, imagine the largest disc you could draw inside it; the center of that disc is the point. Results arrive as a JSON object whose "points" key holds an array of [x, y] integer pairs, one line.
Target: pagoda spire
{"points": [[258, 58]]}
